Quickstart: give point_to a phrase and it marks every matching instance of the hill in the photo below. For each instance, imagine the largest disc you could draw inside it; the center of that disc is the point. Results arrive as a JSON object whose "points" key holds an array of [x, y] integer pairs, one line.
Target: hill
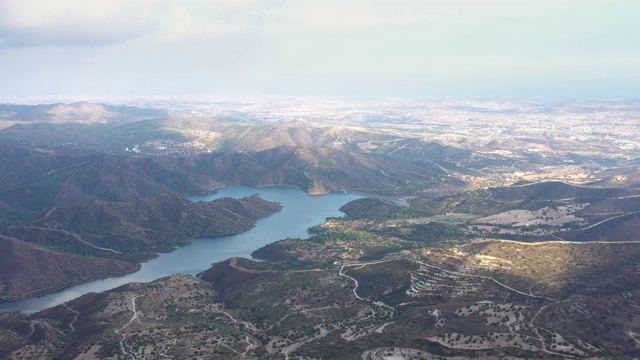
{"points": [[78, 112], [370, 208], [618, 228], [320, 170], [626, 177], [180, 135], [471, 301], [71, 245], [556, 191], [33, 181], [28, 270], [157, 222]]}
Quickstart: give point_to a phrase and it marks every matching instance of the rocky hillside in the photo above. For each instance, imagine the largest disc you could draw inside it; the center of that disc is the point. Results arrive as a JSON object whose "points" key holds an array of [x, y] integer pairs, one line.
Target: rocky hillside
{"points": [[156, 222], [556, 190], [619, 228], [72, 245], [33, 181], [28, 270], [474, 302], [320, 170]]}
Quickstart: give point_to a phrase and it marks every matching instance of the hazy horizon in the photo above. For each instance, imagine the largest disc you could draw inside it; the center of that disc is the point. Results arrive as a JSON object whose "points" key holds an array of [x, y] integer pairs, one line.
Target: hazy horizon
{"points": [[518, 49]]}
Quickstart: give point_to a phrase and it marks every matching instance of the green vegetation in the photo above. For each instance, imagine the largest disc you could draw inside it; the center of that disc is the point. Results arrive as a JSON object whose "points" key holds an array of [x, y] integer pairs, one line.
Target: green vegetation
{"points": [[370, 209]]}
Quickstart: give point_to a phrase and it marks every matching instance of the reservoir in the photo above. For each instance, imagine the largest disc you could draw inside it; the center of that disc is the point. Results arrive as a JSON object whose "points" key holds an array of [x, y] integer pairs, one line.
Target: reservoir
{"points": [[299, 212]]}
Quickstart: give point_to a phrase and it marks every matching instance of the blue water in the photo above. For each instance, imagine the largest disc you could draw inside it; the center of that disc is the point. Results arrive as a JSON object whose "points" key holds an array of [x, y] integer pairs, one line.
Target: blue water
{"points": [[300, 211]]}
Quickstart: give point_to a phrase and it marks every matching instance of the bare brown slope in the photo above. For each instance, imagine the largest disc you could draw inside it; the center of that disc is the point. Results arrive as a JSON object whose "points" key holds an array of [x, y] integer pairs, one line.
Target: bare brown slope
{"points": [[259, 137], [114, 230], [617, 228], [32, 180], [79, 112], [36, 181], [319, 170], [556, 190], [27, 270]]}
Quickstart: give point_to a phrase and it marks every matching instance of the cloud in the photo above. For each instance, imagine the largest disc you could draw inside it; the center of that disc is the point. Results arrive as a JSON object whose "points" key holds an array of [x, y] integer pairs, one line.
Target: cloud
{"points": [[197, 20], [154, 46], [334, 15], [25, 23]]}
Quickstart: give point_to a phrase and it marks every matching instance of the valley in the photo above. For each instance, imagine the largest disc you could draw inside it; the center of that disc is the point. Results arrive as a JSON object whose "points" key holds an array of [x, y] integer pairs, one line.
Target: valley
{"points": [[516, 237]]}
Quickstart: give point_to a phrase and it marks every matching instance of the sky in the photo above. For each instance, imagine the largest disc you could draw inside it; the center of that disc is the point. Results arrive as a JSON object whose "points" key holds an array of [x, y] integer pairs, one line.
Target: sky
{"points": [[520, 48]]}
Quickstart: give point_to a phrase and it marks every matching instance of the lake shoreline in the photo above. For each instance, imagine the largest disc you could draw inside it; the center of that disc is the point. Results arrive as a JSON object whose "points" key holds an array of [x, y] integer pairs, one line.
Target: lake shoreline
{"points": [[41, 293], [300, 211]]}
